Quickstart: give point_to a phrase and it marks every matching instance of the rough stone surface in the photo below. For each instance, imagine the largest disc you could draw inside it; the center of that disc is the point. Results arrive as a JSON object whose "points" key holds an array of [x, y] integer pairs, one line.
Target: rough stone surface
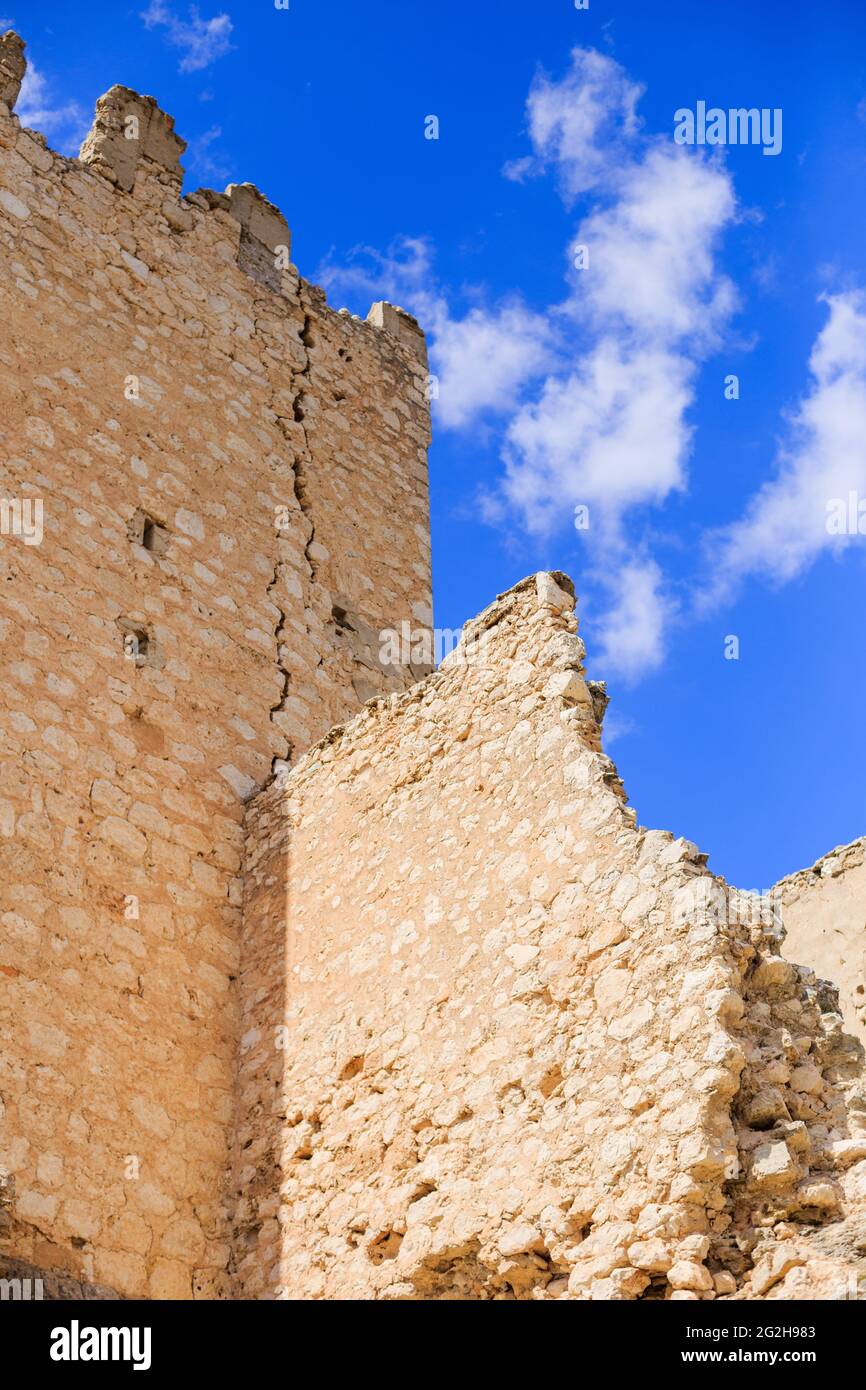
{"points": [[499, 1042], [303, 996], [824, 910], [12, 67], [234, 485]]}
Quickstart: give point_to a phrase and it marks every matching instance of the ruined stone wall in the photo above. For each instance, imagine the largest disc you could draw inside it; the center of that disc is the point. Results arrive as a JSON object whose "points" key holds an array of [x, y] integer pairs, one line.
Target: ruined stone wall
{"points": [[824, 910], [439, 1020], [233, 497], [498, 1040], [502, 1043]]}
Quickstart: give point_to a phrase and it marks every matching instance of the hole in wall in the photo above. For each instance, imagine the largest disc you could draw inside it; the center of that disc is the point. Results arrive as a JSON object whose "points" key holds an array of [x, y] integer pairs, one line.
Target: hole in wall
{"points": [[136, 645], [155, 538], [341, 618], [139, 647], [352, 1068], [655, 1290], [386, 1246], [144, 530]]}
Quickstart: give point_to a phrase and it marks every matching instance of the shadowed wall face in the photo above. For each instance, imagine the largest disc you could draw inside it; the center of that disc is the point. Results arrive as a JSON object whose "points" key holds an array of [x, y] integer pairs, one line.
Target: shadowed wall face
{"points": [[824, 912], [213, 498]]}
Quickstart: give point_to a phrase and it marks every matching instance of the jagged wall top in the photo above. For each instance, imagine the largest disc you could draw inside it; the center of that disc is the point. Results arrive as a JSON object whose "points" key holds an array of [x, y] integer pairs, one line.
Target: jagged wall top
{"points": [[132, 139], [13, 66], [128, 129]]}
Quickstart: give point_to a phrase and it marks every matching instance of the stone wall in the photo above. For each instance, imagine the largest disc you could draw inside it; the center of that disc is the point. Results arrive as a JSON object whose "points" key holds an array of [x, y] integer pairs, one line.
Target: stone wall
{"points": [[303, 996], [501, 1042], [230, 481], [824, 910]]}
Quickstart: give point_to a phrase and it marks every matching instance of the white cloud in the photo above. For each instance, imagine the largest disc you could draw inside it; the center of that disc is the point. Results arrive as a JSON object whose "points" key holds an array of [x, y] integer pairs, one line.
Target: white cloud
{"points": [[609, 426], [634, 628], [66, 123], [202, 40], [571, 122], [652, 264], [823, 458], [484, 359], [610, 435], [612, 431]]}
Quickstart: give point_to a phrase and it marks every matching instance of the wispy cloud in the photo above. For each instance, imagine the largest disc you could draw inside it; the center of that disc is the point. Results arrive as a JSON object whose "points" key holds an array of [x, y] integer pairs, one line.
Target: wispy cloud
{"points": [[609, 428], [633, 633], [403, 271], [204, 157], [617, 726], [201, 40], [572, 121], [792, 519], [65, 122]]}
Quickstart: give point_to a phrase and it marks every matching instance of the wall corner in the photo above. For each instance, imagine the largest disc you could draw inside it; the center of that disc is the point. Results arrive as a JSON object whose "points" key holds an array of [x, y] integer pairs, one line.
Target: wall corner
{"points": [[390, 318]]}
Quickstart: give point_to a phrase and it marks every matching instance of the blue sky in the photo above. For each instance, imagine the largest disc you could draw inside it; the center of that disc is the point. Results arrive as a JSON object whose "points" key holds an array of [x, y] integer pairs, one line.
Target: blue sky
{"points": [[603, 386]]}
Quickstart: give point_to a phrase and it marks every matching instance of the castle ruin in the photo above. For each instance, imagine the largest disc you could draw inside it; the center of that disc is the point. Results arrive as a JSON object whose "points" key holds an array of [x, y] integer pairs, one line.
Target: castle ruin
{"points": [[324, 975]]}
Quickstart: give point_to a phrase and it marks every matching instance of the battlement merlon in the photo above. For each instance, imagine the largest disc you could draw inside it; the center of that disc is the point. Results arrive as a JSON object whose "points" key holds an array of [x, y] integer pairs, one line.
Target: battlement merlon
{"points": [[258, 217], [402, 326], [13, 66], [127, 130], [132, 136]]}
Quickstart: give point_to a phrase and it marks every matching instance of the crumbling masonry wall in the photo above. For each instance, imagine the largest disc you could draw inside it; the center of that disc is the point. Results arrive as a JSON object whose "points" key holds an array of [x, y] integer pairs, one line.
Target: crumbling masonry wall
{"points": [[825, 917], [233, 483], [498, 1040], [442, 1021]]}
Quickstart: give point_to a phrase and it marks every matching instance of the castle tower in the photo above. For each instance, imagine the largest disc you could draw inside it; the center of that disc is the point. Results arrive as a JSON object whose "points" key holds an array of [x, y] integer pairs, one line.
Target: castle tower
{"points": [[214, 498]]}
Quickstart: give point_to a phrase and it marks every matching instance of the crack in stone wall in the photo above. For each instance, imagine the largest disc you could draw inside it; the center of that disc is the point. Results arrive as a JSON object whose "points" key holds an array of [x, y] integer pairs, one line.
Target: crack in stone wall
{"points": [[281, 633]]}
